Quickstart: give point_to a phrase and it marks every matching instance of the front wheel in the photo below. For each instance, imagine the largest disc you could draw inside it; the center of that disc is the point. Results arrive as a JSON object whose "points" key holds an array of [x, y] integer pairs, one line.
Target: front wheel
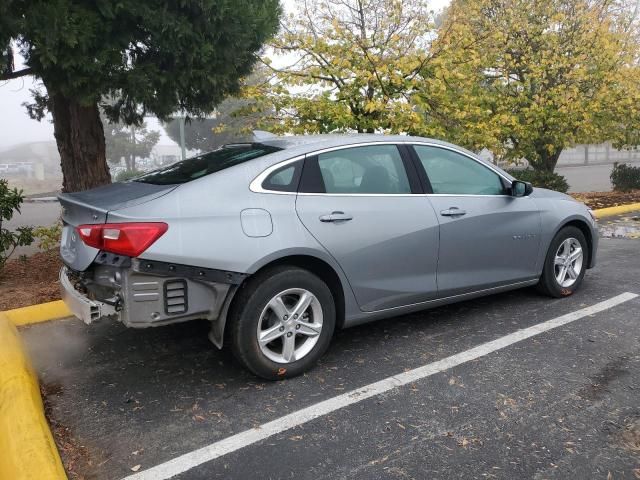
{"points": [[282, 322], [565, 264]]}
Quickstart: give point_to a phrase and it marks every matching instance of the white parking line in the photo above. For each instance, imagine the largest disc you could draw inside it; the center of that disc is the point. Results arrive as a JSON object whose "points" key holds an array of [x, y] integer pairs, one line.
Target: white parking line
{"points": [[228, 445]]}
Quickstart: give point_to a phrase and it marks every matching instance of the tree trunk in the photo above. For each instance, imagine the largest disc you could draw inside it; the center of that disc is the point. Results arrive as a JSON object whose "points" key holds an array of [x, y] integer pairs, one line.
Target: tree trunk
{"points": [[80, 138], [550, 160], [546, 161]]}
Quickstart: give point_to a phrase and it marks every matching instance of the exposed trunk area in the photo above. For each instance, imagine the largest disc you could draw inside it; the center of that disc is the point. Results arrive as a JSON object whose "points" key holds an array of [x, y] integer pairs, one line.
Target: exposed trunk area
{"points": [[80, 139]]}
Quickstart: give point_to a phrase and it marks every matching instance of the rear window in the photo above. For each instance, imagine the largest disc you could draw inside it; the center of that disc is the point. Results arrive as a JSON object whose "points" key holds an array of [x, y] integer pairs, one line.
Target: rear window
{"points": [[206, 164]]}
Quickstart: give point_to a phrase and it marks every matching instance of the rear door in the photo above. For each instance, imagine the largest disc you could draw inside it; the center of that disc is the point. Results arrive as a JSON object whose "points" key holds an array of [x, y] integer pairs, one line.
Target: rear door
{"points": [[487, 237], [359, 202]]}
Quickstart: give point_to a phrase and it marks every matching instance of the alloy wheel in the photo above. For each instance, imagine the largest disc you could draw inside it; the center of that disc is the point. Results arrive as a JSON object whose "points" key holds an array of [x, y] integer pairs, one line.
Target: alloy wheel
{"points": [[290, 325], [568, 262]]}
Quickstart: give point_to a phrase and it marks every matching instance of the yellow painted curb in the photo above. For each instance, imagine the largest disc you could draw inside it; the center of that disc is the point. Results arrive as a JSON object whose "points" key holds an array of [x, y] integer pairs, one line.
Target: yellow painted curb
{"points": [[620, 209], [42, 312], [27, 449]]}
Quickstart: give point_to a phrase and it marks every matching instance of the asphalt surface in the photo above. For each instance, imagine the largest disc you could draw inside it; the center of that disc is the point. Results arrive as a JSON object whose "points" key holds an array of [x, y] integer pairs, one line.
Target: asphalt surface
{"points": [[33, 214], [563, 404], [588, 178], [36, 214]]}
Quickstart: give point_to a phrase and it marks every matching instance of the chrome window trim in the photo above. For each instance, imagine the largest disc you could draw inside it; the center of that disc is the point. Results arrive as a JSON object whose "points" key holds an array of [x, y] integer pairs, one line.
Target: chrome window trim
{"points": [[256, 185], [306, 194], [399, 195]]}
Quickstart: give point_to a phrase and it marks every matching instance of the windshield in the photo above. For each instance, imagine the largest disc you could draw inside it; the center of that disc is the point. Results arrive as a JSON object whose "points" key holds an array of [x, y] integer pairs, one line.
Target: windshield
{"points": [[205, 164]]}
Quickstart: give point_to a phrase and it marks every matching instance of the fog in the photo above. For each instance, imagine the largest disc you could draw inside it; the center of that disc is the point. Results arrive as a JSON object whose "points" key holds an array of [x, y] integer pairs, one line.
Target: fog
{"points": [[16, 127]]}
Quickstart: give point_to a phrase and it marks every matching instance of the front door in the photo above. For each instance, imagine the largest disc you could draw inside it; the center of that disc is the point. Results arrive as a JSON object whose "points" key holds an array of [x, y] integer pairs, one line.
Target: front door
{"points": [[358, 203], [487, 237]]}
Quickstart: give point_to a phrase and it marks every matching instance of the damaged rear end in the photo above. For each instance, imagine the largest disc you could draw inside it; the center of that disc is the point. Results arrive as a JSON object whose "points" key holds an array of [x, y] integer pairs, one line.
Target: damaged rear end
{"points": [[103, 275]]}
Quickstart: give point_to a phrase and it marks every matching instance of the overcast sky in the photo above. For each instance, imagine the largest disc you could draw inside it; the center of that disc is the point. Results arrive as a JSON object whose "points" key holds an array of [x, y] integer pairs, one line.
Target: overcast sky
{"points": [[16, 126]]}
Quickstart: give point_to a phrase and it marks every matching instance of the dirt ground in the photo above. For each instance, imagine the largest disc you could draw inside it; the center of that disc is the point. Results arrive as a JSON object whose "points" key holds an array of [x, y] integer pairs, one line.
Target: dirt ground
{"points": [[30, 280]]}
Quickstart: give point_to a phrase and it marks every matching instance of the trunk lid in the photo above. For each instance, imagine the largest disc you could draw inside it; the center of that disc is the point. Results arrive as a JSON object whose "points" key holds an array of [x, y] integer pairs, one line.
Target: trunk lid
{"points": [[92, 207]]}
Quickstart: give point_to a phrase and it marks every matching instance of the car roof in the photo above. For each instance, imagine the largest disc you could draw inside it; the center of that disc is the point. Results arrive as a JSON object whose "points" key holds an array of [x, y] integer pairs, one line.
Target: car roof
{"points": [[303, 144], [319, 141], [296, 145]]}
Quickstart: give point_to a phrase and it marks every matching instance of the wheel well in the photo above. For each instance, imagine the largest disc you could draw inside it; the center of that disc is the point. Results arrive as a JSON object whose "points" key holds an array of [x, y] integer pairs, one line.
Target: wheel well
{"points": [[586, 231], [323, 270]]}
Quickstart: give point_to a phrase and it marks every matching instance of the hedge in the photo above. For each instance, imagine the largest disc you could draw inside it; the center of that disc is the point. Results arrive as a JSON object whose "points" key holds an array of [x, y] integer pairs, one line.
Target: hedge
{"points": [[625, 177], [542, 179]]}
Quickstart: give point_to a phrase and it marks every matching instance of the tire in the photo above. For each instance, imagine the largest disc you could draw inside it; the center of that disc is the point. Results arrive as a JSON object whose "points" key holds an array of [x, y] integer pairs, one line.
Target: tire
{"points": [[256, 308], [567, 238]]}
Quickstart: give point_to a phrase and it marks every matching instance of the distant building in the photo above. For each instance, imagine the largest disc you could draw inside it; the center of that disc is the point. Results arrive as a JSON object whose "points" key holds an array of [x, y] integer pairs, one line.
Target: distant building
{"points": [[35, 159]]}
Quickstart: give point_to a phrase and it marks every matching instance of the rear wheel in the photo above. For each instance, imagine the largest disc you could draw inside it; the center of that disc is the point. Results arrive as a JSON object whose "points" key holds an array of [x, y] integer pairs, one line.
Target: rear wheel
{"points": [[565, 264], [282, 322]]}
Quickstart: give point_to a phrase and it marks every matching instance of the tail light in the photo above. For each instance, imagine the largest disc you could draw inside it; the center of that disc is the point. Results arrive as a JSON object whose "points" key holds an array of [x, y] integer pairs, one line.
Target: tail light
{"points": [[129, 239]]}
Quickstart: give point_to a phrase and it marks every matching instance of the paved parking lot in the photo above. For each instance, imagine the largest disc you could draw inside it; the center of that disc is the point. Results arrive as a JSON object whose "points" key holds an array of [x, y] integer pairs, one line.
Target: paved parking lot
{"points": [[564, 403]]}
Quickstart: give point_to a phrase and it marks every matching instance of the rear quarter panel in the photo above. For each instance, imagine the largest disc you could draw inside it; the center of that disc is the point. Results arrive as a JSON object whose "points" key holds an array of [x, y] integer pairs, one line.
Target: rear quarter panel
{"points": [[205, 228]]}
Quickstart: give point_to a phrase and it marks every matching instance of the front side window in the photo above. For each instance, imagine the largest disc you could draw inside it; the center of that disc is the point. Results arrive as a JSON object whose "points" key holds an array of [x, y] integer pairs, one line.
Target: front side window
{"points": [[206, 164], [452, 173], [376, 169]]}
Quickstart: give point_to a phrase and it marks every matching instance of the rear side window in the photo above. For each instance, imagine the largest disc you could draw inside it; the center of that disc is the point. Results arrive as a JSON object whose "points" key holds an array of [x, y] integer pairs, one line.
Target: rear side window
{"points": [[206, 164], [284, 179], [376, 169]]}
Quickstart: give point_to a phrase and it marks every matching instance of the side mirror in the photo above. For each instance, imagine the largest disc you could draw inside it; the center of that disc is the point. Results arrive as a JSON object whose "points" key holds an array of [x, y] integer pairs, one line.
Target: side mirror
{"points": [[520, 188]]}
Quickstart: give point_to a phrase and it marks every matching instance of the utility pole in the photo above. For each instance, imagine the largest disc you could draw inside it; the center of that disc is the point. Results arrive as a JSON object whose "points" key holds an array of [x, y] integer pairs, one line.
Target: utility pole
{"points": [[182, 148], [132, 156]]}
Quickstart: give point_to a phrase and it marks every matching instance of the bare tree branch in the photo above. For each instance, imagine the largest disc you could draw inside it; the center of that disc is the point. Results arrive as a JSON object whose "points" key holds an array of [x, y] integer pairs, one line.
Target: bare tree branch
{"points": [[16, 74]]}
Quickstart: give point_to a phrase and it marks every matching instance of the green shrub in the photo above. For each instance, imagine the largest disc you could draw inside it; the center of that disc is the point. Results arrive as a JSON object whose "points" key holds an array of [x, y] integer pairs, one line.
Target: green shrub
{"points": [[48, 237], [127, 175], [10, 201], [542, 179], [625, 177]]}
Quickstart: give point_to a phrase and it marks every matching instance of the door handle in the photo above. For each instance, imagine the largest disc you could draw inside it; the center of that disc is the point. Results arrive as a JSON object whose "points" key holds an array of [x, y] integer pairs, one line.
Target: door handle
{"points": [[336, 217], [453, 212]]}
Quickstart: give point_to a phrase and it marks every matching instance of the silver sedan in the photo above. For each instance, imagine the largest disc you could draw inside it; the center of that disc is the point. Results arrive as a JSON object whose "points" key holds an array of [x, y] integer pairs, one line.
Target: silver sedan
{"points": [[280, 241]]}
